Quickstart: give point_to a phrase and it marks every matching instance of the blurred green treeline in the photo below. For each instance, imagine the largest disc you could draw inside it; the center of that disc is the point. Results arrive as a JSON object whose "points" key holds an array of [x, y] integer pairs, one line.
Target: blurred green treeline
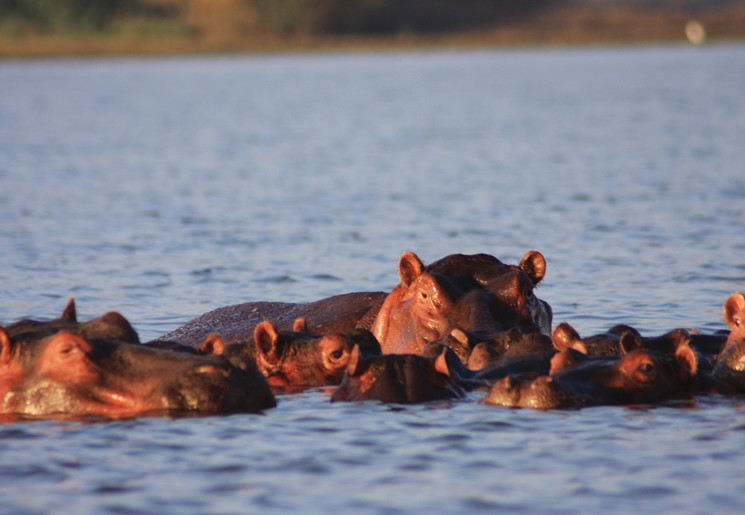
{"points": [[44, 16], [56, 27], [23, 17]]}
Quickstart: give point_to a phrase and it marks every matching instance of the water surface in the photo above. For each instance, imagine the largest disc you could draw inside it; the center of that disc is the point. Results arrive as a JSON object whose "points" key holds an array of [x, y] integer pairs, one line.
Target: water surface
{"points": [[164, 188]]}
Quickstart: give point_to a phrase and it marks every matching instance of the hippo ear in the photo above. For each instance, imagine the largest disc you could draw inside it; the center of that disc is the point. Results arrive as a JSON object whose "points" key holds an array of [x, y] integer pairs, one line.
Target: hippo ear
{"points": [[441, 363], [4, 347], [266, 338], [300, 325], [355, 362], [564, 336], [409, 268], [687, 362], [734, 311], [566, 359], [629, 342], [70, 313], [534, 264], [213, 344], [579, 346], [459, 335]]}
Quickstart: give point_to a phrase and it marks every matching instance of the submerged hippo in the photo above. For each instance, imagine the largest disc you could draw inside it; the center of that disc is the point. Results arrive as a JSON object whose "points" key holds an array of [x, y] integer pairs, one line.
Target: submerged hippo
{"points": [[45, 371], [402, 378], [236, 323], [524, 347], [640, 376], [615, 342], [474, 293], [299, 358], [111, 325]]}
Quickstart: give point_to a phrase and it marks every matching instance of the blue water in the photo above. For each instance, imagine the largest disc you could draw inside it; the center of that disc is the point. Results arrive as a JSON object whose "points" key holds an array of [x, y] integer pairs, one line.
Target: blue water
{"points": [[164, 188]]}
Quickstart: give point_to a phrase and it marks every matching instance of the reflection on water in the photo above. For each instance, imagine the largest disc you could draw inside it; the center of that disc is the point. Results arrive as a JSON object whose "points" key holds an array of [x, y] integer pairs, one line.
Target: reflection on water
{"points": [[165, 188]]}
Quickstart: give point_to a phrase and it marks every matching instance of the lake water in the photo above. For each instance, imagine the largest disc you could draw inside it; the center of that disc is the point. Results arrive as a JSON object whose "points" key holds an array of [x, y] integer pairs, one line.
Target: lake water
{"points": [[164, 188]]}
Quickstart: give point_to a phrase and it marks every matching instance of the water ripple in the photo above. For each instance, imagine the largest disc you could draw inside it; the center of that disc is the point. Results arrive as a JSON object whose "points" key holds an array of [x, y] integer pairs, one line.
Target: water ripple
{"points": [[292, 178]]}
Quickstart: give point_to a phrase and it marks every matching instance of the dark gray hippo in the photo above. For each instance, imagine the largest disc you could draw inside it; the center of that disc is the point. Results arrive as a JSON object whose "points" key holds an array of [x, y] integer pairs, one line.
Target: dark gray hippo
{"points": [[236, 323], [473, 293]]}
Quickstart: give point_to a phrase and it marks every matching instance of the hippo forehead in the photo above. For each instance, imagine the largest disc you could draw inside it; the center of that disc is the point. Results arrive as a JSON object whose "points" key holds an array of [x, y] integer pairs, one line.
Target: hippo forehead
{"points": [[26, 329], [396, 368], [479, 268], [406, 378], [290, 343], [27, 341], [111, 325], [459, 273]]}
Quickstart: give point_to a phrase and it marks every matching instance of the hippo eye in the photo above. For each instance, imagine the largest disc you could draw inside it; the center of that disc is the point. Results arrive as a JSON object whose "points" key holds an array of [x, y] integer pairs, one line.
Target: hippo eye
{"points": [[336, 356], [424, 295], [646, 367]]}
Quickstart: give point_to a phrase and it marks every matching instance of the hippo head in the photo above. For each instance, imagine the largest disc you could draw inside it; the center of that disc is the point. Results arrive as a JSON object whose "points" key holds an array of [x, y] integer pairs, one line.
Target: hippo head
{"points": [[576, 380], [730, 365], [399, 378], [617, 341], [112, 325], [537, 393], [734, 315], [48, 372], [301, 359], [475, 293]]}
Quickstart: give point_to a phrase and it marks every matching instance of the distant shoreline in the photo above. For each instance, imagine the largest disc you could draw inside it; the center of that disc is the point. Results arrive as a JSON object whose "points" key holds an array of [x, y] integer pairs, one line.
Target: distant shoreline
{"points": [[564, 28]]}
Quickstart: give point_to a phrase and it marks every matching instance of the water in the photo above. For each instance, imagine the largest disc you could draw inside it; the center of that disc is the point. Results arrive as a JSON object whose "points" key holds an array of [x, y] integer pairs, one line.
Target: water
{"points": [[164, 188]]}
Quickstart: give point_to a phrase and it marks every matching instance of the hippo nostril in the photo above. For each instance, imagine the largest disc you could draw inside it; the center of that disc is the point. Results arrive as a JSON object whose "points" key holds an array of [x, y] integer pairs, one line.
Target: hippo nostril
{"points": [[209, 369]]}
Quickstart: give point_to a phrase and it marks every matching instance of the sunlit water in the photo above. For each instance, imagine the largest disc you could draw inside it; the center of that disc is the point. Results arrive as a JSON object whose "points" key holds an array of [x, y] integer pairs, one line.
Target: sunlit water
{"points": [[164, 188]]}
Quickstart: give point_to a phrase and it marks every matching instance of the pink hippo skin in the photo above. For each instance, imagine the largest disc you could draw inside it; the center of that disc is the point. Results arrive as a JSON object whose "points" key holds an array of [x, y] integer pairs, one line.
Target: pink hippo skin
{"points": [[473, 293], [730, 364], [292, 360], [45, 372]]}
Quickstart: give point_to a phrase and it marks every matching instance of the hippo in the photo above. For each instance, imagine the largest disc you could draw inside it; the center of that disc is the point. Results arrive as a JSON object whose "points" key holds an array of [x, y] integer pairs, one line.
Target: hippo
{"points": [[604, 344], [476, 293], [638, 377], [528, 358], [519, 347], [236, 323], [110, 325], [46, 371], [621, 338], [730, 364], [298, 358], [486, 347], [402, 378]]}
